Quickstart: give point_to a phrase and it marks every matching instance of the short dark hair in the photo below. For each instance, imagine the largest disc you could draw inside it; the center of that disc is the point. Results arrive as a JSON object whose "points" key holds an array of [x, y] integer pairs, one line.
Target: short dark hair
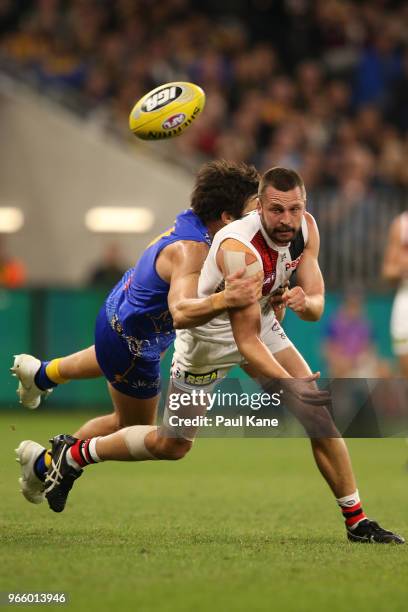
{"points": [[282, 179], [223, 186]]}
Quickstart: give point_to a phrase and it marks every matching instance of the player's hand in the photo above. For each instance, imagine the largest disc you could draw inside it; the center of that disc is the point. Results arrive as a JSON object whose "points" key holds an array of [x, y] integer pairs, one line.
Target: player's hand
{"points": [[310, 405], [306, 391], [295, 299], [240, 291]]}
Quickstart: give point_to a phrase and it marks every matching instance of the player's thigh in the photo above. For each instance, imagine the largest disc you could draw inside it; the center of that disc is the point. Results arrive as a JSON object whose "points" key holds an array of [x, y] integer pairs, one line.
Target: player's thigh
{"points": [[133, 410]]}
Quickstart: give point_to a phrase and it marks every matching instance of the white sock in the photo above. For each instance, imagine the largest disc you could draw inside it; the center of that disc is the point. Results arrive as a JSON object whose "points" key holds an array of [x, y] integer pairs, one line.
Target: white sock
{"points": [[349, 500], [92, 449]]}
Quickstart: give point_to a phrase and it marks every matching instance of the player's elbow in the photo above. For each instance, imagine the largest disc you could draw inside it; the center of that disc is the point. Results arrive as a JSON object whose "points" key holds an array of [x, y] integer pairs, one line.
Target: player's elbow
{"points": [[315, 308], [180, 321], [314, 316]]}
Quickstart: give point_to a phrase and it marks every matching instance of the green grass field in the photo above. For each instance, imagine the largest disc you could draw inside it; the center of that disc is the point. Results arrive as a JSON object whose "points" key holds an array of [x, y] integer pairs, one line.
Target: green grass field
{"points": [[238, 525]]}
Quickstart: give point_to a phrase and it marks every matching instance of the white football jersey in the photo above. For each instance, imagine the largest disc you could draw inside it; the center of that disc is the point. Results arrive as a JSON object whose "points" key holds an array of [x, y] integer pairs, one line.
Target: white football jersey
{"points": [[278, 264]]}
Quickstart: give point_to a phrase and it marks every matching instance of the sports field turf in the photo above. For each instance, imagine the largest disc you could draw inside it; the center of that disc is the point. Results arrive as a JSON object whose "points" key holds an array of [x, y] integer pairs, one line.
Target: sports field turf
{"points": [[237, 525]]}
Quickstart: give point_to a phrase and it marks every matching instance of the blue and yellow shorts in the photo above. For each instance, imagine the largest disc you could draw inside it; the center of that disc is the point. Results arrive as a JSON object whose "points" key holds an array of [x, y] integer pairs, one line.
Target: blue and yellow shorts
{"points": [[130, 364]]}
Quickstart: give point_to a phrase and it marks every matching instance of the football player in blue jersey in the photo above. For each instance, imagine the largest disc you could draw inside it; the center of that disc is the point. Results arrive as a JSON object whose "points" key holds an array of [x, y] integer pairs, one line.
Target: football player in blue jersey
{"points": [[135, 326]]}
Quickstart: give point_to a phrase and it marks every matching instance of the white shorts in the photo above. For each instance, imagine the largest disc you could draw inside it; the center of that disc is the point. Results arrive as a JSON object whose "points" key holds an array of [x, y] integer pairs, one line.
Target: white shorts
{"points": [[201, 364], [198, 362], [399, 321]]}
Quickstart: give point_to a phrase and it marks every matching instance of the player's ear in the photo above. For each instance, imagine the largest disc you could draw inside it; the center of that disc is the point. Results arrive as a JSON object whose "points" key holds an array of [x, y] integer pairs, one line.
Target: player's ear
{"points": [[227, 218]]}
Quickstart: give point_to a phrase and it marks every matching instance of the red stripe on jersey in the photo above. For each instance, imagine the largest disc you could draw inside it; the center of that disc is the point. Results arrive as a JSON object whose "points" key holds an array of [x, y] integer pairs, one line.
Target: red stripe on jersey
{"points": [[269, 259]]}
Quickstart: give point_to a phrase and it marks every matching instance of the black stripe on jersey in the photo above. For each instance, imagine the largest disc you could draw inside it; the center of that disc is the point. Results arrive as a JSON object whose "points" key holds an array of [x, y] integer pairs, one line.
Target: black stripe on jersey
{"points": [[297, 246]]}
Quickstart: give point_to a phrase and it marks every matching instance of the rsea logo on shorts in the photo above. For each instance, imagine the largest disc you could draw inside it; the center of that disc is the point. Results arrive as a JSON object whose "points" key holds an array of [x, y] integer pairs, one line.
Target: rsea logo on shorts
{"points": [[201, 379]]}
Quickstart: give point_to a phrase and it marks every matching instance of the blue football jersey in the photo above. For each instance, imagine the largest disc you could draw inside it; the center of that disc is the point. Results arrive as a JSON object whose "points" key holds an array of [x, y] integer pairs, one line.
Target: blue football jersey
{"points": [[137, 306]]}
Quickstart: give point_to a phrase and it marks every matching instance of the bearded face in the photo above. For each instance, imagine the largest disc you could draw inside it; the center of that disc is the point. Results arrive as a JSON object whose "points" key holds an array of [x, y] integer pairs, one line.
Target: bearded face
{"points": [[281, 213]]}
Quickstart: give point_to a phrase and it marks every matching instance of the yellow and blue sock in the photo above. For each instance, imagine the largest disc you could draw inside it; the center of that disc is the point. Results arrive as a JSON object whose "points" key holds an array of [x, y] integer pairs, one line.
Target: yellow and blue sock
{"points": [[48, 375], [42, 464]]}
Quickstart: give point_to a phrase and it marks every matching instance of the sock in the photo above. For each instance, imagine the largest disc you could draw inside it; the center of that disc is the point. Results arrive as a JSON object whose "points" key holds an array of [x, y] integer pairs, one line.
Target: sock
{"points": [[42, 464], [48, 375], [83, 453], [351, 508]]}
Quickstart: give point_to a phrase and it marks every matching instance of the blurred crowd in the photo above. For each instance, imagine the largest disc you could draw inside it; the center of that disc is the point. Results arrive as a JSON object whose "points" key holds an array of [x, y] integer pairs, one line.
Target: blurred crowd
{"points": [[320, 86], [317, 85]]}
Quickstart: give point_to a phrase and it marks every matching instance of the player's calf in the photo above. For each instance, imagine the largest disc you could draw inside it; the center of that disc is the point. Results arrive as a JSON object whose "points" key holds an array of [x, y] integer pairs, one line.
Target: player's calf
{"points": [[172, 449]]}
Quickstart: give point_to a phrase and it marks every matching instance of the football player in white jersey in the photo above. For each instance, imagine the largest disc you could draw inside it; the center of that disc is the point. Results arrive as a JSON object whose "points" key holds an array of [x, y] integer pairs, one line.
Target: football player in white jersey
{"points": [[278, 238], [395, 269]]}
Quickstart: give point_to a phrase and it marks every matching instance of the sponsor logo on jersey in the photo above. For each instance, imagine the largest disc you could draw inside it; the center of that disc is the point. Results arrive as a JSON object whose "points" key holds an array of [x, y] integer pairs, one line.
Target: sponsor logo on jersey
{"points": [[292, 265], [200, 379], [173, 121]]}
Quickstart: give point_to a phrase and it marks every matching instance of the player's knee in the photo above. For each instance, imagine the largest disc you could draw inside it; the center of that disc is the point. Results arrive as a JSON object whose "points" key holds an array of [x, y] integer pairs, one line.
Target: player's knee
{"points": [[174, 449]]}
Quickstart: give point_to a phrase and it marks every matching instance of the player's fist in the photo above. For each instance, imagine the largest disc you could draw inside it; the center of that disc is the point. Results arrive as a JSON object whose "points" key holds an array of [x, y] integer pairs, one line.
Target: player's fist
{"points": [[296, 299]]}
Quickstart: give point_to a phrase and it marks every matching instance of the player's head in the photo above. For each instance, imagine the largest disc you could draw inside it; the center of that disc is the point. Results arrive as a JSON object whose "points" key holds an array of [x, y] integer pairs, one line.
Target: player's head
{"points": [[281, 204], [224, 191]]}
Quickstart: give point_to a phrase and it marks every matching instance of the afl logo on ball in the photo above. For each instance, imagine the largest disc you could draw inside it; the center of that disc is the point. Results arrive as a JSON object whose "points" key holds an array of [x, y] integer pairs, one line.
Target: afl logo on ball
{"points": [[173, 121]]}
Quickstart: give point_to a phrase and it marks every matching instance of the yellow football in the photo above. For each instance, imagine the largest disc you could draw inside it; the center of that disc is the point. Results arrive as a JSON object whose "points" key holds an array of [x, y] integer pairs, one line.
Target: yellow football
{"points": [[165, 112]]}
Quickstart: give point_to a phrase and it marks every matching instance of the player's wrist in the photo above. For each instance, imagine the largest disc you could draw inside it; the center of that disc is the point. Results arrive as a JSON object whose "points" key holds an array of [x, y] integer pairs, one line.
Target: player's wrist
{"points": [[218, 301]]}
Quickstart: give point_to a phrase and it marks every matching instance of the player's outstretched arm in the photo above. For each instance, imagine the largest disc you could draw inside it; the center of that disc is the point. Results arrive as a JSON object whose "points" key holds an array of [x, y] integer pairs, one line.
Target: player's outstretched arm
{"points": [[185, 262], [307, 298]]}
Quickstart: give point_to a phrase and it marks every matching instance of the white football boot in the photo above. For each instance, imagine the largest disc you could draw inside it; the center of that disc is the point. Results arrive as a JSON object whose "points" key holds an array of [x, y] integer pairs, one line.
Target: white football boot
{"points": [[25, 367], [31, 486]]}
